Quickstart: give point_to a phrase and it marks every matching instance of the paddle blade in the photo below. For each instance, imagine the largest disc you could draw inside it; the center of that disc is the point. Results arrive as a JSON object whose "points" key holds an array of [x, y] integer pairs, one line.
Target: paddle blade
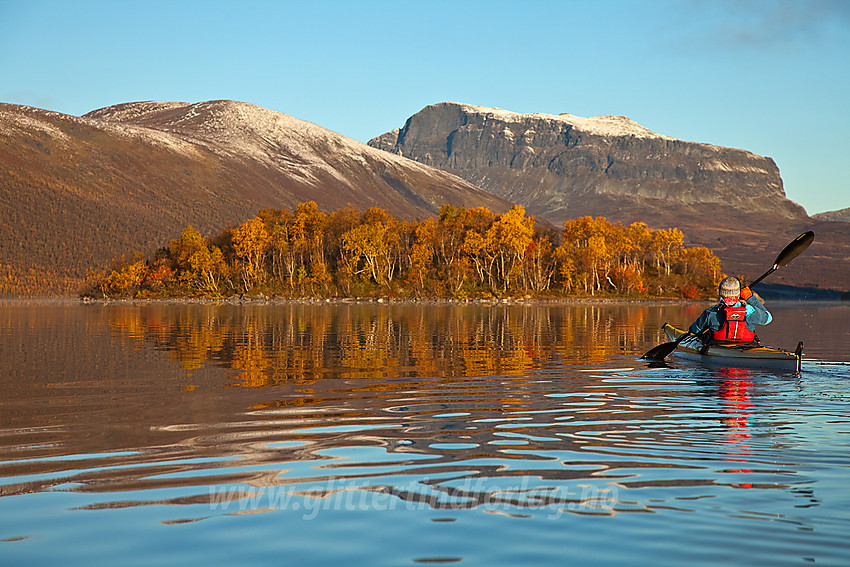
{"points": [[794, 249], [661, 351]]}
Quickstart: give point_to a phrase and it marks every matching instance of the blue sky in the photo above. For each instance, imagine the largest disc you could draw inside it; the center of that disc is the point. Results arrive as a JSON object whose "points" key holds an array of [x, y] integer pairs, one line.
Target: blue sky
{"points": [[768, 76]]}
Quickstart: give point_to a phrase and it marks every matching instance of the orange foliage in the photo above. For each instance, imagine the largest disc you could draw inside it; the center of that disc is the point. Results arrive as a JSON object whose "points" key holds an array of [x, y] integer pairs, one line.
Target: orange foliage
{"points": [[463, 253]]}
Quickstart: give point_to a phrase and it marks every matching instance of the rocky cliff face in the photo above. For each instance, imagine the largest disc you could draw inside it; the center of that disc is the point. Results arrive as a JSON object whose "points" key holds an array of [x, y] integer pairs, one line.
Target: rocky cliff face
{"points": [[76, 192], [564, 166]]}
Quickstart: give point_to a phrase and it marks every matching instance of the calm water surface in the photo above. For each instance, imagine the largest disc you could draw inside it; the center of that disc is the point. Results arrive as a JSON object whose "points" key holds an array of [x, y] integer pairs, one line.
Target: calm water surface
{"points": [[401, 434]]}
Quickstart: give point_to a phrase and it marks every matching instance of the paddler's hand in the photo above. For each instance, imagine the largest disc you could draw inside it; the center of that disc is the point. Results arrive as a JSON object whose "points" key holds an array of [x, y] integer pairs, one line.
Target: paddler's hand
{"points": [[746, 293]]}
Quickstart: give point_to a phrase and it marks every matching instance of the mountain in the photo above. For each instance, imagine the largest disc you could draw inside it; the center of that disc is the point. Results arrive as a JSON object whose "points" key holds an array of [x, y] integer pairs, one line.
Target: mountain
{"points": [[78, 192], [563, 166], [842, 215]]}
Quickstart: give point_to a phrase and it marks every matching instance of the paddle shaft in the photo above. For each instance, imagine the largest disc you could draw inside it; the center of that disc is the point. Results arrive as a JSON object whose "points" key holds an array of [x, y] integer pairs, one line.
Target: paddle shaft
{"points": [[788, 253], [764, 275]]}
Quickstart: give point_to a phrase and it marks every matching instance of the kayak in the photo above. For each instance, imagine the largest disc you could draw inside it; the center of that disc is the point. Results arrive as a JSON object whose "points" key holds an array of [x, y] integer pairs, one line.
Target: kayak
{"points": [[740, 356]]}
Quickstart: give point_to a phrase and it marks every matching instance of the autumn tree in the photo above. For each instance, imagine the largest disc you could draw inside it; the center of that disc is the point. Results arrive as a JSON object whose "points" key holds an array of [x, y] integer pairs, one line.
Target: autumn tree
{"points": [[665, 246], [125, 280], [251, 243], [639, 239], [565, 267], [342, 260], [506, 241], [539, 264], [311, 227], [200, 266], [449, 238], [460, 244], [278, 223], [367, 244], [421, 254], [474, 250], [587, 241], [700, 265]]}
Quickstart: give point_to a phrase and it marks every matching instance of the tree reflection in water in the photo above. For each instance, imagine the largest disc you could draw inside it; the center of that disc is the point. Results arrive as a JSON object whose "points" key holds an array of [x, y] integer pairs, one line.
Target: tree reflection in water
{"points": [[302, 343]]}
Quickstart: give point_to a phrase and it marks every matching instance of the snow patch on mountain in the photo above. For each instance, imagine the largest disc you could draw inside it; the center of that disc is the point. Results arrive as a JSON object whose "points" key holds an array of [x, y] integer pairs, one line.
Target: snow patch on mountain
{"points": [[240, 129], [607, 125], [30, 121]]}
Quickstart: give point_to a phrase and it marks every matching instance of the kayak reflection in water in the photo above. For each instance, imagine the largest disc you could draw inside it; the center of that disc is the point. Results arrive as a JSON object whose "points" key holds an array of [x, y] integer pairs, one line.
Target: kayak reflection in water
{"points": [[733, 321], [734, 388]]}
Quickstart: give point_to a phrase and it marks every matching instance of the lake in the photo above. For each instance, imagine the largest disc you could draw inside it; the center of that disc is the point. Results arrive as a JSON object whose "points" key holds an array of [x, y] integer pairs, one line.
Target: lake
{"points": [[414, 433]]}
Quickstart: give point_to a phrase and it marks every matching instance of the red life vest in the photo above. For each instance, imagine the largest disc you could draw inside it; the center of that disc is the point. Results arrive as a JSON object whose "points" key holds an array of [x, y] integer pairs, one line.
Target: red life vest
{"points": [[735, 328]]}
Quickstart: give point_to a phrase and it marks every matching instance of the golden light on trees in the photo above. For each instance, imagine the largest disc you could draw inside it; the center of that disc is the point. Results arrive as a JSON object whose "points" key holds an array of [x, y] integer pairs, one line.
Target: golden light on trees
{"points": [[462, 253]]}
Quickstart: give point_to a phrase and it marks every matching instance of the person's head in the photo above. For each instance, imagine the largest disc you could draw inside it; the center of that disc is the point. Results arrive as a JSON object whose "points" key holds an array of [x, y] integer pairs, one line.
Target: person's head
{"points": [[729, 289]]}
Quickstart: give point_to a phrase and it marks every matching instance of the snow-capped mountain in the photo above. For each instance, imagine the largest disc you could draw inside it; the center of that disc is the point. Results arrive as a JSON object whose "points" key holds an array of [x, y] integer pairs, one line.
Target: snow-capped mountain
{"points": [[76, 192]]}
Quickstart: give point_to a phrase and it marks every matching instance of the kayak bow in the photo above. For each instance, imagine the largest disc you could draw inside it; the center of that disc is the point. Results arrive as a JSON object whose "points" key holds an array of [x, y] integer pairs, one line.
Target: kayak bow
{"points": [[691, 348]]}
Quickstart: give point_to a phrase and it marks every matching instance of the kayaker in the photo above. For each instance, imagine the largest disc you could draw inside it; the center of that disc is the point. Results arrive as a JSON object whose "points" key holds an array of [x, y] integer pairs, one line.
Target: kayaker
{"points": [[734, 319]]}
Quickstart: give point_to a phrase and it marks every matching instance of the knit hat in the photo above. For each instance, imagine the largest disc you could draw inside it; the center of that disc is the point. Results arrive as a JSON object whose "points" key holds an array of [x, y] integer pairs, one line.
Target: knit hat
{"points": [[730, 287]]}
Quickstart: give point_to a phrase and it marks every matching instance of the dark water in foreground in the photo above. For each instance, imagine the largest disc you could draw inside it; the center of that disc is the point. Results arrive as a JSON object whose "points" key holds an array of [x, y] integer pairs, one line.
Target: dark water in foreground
{"points": [[403, 434]]}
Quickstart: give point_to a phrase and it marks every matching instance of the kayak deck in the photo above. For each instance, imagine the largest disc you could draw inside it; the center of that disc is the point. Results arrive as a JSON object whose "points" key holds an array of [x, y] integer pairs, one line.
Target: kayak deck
{"points": [[691, 348]]}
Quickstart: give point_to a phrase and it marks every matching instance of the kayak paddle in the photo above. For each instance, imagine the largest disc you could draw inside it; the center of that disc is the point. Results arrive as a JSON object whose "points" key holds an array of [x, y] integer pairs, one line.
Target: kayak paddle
{"points": [[794, 249], [788, 253]]}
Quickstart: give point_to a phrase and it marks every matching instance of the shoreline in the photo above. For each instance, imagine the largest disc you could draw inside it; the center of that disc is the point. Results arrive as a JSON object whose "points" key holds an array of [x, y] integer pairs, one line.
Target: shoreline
{"points": [[377, 301], [386, 301]]}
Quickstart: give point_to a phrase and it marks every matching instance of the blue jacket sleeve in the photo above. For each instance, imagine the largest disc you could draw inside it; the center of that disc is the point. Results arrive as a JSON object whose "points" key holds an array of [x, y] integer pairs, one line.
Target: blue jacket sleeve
{"points": [[757, 314], [702, 322]]}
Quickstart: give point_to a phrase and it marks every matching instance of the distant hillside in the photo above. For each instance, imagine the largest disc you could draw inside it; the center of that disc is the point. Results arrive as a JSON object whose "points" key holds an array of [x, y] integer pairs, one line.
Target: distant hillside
{"points": [[562, 166], [842, 215], [76, 192]]}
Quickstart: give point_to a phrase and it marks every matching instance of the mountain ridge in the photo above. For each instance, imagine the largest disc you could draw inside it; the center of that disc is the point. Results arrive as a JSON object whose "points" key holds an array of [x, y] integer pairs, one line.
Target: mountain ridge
{"points": [[841, 215], [542, 161], [561, 167], [78, 192]]}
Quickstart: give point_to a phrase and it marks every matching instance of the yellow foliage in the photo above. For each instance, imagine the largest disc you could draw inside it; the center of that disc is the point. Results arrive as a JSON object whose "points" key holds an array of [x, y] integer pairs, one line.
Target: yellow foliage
{"points": [[125, 280], [463, 253]]}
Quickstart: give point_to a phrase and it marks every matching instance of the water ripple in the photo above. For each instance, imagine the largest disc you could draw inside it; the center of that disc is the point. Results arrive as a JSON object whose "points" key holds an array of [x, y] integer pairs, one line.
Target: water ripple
{"points": [[529, 449]]}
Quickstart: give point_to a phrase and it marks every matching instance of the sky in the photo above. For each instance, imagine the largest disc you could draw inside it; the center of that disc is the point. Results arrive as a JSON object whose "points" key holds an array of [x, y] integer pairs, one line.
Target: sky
{"points": [[768, 76]]}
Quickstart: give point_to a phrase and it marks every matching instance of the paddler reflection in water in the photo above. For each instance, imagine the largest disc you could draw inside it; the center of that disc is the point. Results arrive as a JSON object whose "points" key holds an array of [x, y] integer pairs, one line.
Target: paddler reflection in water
{"points": [[733, 320]]}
